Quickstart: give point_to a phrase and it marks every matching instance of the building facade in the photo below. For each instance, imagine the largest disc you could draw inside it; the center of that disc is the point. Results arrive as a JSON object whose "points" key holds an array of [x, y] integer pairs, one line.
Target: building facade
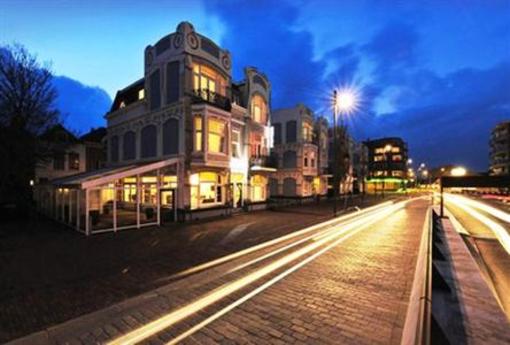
{"points": [[300, 153], [387, 164], [69, 154], [500, 149], [184, 142]]}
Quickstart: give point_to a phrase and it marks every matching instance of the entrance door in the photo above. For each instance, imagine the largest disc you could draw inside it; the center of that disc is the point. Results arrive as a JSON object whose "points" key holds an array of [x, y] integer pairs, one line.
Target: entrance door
{"points": [[167, 202], [237, 194]]}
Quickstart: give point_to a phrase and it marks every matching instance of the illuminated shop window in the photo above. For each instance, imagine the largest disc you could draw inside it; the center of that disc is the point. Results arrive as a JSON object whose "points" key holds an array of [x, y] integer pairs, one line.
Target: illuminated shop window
{"points": [[206, 189], [258, 188], [216, 136]]}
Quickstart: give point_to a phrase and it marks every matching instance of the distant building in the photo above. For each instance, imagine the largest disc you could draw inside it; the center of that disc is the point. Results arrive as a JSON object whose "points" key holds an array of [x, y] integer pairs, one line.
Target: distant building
{"points": [[500, 149], [387, 164], [300, 153], [69, 154]]}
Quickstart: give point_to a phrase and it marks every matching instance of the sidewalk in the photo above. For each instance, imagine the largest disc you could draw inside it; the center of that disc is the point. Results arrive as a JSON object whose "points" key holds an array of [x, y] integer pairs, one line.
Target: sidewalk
{"points": [[51, 274]]}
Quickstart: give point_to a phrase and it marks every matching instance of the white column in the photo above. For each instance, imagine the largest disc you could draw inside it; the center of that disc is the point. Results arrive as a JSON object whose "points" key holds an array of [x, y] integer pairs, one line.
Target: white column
{"points": [[87, 220], [138, 191], [115, 206], [70, 211], [78, 209], [158, 201]]}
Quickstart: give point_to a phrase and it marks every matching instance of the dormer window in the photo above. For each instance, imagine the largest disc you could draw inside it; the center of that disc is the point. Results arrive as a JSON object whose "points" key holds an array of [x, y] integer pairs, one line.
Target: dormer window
{"points": [[141, 94], [122, 105], [259, 109]]}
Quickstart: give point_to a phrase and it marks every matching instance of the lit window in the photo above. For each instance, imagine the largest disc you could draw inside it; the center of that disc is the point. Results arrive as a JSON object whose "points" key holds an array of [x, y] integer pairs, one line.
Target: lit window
{"points": [[307, 132], [206, 189], [397, 158], [216, 136], [198, 133], [378, 158], [74, 161], [258, 188], [141, 94], [258, 109], [236, 144], [122, 105], [395, 149], [207, 79]]}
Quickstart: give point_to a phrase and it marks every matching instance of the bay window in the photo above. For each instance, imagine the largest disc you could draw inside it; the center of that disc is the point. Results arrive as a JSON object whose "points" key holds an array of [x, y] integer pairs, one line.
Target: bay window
{"points": [[236, 143], [216, 136], [206, 79], [198, 133]]}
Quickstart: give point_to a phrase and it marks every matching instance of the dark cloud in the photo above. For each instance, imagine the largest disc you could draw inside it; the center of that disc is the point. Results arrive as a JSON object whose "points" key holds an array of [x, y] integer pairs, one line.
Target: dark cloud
{"points": [[444, 118], [81, 106], [261, 35]]}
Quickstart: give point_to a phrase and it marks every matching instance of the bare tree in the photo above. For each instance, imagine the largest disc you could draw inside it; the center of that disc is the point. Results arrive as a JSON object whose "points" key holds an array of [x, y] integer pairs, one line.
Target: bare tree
{"points": [[27, 109]]}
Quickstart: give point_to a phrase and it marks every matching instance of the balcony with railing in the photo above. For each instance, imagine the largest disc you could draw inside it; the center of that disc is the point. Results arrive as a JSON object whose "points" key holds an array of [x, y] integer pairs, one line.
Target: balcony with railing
{"points": [[210, 97]]}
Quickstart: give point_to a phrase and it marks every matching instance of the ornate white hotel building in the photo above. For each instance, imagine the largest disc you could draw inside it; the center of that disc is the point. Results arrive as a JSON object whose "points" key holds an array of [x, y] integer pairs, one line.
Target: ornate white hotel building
{"points": [[184, 142]]}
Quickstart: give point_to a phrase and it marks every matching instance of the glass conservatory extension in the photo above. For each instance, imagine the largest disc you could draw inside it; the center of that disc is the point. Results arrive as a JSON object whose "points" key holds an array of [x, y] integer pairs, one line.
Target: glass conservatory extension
{"points": [[113, 199]]}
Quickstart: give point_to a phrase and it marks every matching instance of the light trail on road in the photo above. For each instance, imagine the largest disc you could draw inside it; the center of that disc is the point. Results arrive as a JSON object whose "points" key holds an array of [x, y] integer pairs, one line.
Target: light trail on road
{"points": [[266, 244], [333, 235], [469, 206]]}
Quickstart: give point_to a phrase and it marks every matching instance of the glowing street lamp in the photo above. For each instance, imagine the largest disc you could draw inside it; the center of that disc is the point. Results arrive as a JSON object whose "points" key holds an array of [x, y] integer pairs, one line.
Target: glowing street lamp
{"points": [[458, 171]]}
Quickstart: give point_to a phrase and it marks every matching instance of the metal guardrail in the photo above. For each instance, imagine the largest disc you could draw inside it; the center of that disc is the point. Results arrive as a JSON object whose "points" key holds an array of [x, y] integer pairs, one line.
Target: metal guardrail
{"points": [[417, 327]]}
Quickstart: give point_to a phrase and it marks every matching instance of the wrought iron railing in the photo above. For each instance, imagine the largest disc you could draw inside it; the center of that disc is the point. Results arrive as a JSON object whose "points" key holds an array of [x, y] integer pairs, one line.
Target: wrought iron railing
{"points": [[211, 97]]}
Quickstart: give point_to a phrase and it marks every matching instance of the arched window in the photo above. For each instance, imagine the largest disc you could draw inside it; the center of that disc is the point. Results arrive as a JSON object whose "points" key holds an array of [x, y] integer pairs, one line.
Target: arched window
{"points": [[129, 146], [258, 109], [289, 187], [155, 85], [289, 159], [149, 141], [290, 131], [114, 148], [171, 137]]}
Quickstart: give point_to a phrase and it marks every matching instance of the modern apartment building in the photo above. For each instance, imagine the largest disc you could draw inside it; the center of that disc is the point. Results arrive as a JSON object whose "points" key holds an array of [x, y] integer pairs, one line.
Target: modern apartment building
{"points": [[500, 149], [387, 164], [300, 153], [184, 142]]}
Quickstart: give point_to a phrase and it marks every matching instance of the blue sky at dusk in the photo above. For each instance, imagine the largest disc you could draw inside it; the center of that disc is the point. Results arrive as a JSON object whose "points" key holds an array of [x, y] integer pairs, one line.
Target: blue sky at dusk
{"points": [[436, 73]]}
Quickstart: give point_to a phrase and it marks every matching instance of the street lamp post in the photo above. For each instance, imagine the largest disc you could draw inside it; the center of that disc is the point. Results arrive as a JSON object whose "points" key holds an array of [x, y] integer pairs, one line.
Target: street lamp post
{"points": [[335, 165], [345, 101]]}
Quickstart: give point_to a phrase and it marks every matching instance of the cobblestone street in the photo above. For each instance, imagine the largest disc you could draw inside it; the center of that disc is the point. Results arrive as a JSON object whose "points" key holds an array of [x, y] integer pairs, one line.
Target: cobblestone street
{"points": [[350, 283]]}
